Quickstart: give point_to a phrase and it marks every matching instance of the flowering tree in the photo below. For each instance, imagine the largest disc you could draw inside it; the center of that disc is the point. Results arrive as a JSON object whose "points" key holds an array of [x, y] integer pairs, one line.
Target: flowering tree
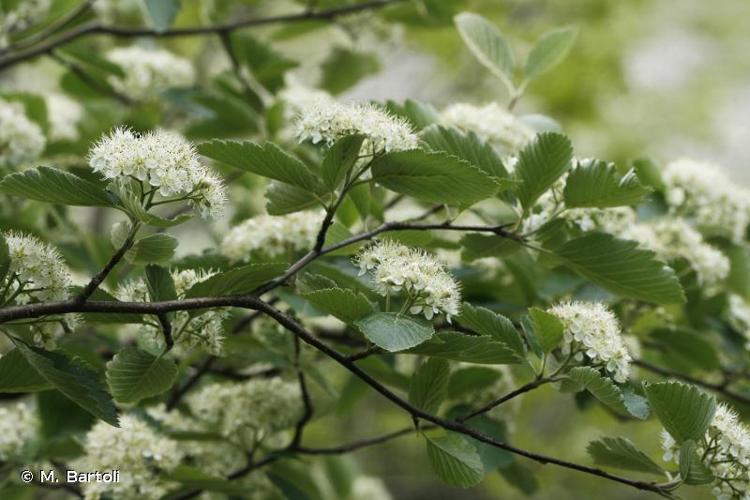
{"points": [[450, 261]]}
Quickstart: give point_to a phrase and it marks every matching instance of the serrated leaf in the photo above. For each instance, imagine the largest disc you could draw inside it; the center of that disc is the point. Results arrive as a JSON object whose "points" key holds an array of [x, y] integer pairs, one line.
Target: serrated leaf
{"points": [[346, 305], [692, 469], [267, 160], [429, 384], [454, 460], [548, 329], [282, 199], [549, 51], [433, 177], [649, 173], [602, 388], [684, 410], [55, 186], [466, 146], [72, 378], [162, 12], [394, 332], [478, 246], [598, 184], [488, 45], [486, 322], [237, 281], [17, 375], [133, 375], [621, 453], [480, 349], [340, 159], [157, 247], [540, 164], [622, 267]]}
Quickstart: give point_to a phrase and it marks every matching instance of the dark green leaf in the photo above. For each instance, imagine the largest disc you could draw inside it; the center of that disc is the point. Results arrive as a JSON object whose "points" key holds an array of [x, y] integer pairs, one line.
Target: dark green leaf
{"points": [[478, 246], [237, 281], [394, 332], [602, 388], [649, 173], [684, 410], [481, 349], [160, 284], [485, 322], [540, 164], [596, 183], [347, 305], [55, 186], [429, 385], [621, 453], [284, 198], [548, 329], [454, 460], [466, 146], [340, 159], [17, 375], [133, 375], [691, 348]]}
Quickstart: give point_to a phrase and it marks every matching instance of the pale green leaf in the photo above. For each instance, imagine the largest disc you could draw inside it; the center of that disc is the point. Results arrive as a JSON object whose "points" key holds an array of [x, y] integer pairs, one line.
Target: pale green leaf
{"points": [[548, 329], [488, 45], [595, 183], [133, 375], [394, 332], [343, 303], [466, 146], [549, 51], [621, 453], [692, 469], [157, 247], [284, 199], [684, 410], [162, 13], [478, 246], [602, 388], [454, 460], [429, 384]]}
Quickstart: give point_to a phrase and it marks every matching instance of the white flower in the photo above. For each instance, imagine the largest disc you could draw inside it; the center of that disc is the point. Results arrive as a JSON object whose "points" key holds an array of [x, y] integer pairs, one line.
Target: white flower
{"points": [[137, 451], [21, 17], [248, 411], [64, 115], [203, 330], [327, 121], [272, 235], [429, 288], [703, 191], [592, 329], [163, 160], [369, 488], [21, 140], [37, 271], [149, 71], [490, 122], [19, 424]]}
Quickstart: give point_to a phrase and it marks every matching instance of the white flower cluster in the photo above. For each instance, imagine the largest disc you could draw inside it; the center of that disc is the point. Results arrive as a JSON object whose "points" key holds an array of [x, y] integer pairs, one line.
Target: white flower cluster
{"points": [[491, 122], [703, 191], [272, 235], [64, 115], [19, 424], [592, 329], [327, 121], [429, 288], [137, 451], [21, 140], [37, 271], [729, 458], [204, 330], [149, 71], [21, 17], [248, 411], [166, 161]]}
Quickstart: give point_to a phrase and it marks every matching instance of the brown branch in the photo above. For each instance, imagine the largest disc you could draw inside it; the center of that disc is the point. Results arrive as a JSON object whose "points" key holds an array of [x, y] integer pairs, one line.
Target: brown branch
{"points": [[97, 280], [521, 390], [356, 445], [95, 28]]}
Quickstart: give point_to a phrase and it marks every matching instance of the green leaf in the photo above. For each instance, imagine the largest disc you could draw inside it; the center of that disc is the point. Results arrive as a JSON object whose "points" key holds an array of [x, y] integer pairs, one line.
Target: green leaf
{"points": [[521, 477], [4, 257], [192, 478], [480, 349], [623, 268], [133, 375], [691, 348], [237, 281], [343, 68], [160, 284], [429, 385], [454, 460], [649, 173], [17, 375], [340, 159], [346, 305], [478, 246], [595, 183], [485, 322], [394, 332], [540, 164], [267, 160], [433, 177], [266, 64], [162, 13], [549, 51], [73, 378], [157, 247], [621, 453], [466, 146], [284, 198], [55, 186], [684, 410], [692, 469], [548, 329], [487, 44], [602, 388]]}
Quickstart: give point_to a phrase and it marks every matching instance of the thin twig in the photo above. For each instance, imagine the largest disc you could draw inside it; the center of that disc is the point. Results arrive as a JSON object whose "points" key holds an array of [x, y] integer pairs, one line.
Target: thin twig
{"points": [[92, 82]]}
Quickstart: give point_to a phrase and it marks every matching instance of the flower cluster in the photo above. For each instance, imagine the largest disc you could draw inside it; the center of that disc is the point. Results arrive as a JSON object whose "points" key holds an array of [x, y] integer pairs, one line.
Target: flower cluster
{"points": [[137, 451], [190, 331], [19, 424], [164, 160], [37, 271], [21, 140], [148, 71], [327, 121], [248, 411], [429, 288], [591, 329], [272, 235], [704, 192], [729, 456], [21, 17], [490, 122], [64, 115]]}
